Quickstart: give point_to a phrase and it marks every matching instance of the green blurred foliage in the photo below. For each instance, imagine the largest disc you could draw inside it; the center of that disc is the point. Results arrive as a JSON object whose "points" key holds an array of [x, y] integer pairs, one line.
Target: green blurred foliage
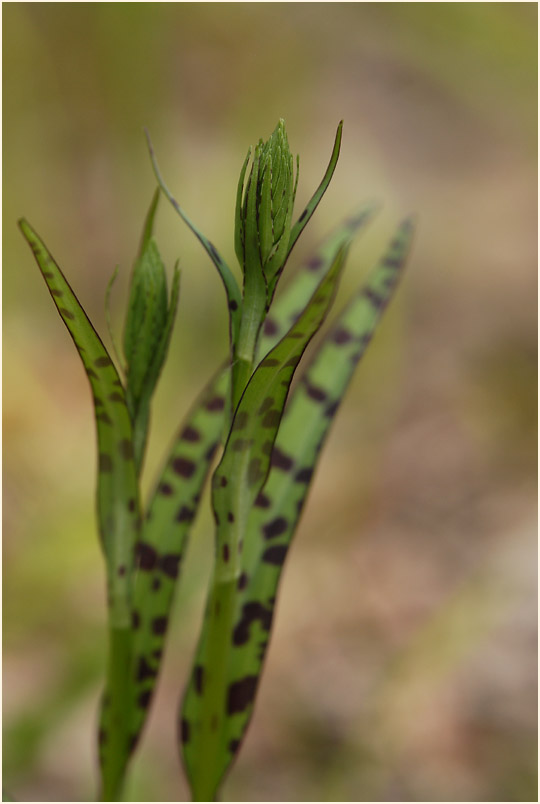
{"points": [[413, 676]]}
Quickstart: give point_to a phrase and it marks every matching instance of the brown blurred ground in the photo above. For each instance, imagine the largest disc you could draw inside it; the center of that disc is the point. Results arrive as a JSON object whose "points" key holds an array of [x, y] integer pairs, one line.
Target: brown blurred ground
{"points": [[403, 663]]}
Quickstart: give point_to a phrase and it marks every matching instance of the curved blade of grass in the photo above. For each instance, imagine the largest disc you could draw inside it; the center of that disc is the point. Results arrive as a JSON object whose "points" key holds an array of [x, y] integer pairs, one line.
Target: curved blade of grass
{"points": [[117, 501], [302, 433], [312, 205], [234, 298], [212, 697]]}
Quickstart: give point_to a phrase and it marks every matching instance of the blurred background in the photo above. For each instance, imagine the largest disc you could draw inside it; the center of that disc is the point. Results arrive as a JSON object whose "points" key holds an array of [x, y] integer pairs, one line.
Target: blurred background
{"points": [[403, 661]]}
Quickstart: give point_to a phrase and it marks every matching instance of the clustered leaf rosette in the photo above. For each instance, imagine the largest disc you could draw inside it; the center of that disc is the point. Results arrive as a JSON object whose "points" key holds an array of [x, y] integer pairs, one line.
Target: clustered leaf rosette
{"points": [[264, 208]]}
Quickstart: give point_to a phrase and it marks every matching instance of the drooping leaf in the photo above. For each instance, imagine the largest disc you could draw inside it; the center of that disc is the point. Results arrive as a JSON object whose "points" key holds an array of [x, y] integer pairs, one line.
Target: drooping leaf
{"points": [[212, 698], [117, 499], [234, 298]]}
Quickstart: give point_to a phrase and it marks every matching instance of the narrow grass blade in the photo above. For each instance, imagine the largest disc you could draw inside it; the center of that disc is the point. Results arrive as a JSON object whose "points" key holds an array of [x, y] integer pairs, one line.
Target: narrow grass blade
{"points": [[312, 205], [117, 501], [213, 697], [234, 298]]}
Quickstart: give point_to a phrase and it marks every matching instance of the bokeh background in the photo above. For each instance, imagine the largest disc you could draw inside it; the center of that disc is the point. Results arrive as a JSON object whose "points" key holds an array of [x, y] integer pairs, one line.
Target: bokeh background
{"points": [[403, 662]]}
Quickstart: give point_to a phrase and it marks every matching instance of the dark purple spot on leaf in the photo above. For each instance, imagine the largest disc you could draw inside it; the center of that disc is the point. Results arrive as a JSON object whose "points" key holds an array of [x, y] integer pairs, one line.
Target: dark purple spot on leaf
{"points": [[331, 409], [104, 417], [315, 393], [159, 625], [198, 678], [262, 501], [101, 362], [304, 475], [185, 514], [242, 581], [233, 305], [56, 292], [66, 313], [146, 556], [184, 731], [267, 404], [144, 670], [105, 462], [126, 449], [121, 570], [144, 699], [166, 489], [169, 564], [251, 612], [270, 362], [377, 301], [116, 396], [275, 554], [315, 263], [190, 434], [215, 404], [241, 694], [183, 467], [230, 516], [255, 472], [135, 619], [226, 553], [276, 527], [280, 460], [341, 336], [240, 420], [271, 419], [156, 584], [270, 327], [234, 745]]}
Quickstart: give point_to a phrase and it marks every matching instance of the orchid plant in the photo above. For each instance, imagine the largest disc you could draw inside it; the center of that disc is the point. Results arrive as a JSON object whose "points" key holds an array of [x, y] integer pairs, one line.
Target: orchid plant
{"points": [[265, 438]]}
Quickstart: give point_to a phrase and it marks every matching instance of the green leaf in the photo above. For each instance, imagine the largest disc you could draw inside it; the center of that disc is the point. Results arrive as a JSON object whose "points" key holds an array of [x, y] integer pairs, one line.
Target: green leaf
{"points": [[117, 500], [164, 536], [292, 298], [213, 698], [148, 229], [234, 298], [312, 205], [302, 434], [175, 500]]}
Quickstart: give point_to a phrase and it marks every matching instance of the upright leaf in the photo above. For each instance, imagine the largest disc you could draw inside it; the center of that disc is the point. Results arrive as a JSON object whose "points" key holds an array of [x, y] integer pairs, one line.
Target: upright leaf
{"points": [[313, 203], [117, 501], [274, 517], [213, 697]]}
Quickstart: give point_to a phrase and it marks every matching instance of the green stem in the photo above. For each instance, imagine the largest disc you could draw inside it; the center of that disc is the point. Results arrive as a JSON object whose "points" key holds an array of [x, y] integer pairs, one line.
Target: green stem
{"points": [[119, 665], [253, 312]]}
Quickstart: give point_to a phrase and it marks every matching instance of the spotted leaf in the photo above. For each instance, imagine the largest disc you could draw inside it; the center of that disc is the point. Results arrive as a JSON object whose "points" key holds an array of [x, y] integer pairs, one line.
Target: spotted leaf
{"points": [[117, 499], [212, 697]]}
